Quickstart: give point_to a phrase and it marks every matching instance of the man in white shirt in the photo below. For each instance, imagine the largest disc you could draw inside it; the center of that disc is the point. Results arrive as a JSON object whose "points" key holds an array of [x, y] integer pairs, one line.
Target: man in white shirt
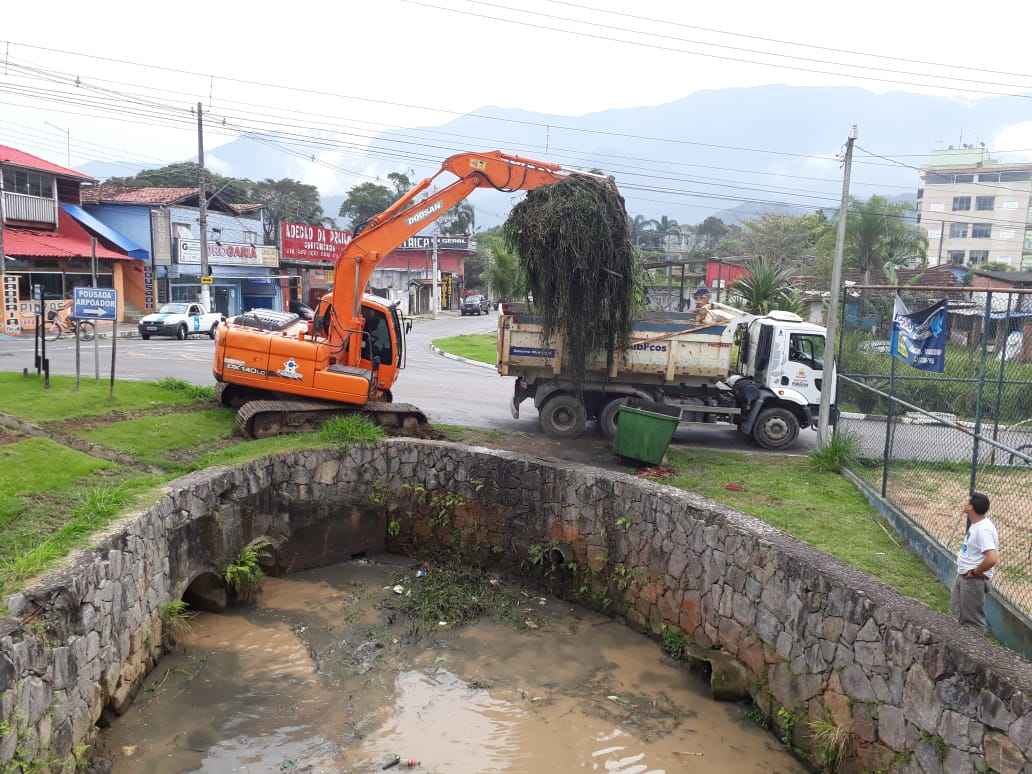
{"points": [[978, 555]]}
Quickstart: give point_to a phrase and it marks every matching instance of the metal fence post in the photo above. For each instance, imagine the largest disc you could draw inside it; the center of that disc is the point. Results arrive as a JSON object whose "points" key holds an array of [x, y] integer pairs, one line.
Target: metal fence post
{"points": [[999, 380], [888, 424], [986, 318]]}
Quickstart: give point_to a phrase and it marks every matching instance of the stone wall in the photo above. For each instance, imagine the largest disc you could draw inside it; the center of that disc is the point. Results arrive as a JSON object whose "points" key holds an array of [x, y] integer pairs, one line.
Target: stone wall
{"points": [[822, 642]]}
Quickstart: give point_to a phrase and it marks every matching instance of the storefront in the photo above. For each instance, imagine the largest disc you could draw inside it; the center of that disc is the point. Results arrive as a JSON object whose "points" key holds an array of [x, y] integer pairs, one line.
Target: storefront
{"points": [[245, 276], [308, 256]]}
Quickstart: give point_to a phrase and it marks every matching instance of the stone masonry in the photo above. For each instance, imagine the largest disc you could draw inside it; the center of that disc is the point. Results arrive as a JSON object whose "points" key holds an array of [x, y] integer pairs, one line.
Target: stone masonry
{"points": [[823, 642]]}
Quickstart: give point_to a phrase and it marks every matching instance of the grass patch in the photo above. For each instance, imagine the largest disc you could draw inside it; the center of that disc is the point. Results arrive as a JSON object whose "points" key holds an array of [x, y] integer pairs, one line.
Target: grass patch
{"points": [[38, 465], [47, 533], [347, 430], [192, 391], [819, 508], [475, 346], [471, 435], [843, 448], [246, 451], [456, 595], [25, 397], [149, 438]]}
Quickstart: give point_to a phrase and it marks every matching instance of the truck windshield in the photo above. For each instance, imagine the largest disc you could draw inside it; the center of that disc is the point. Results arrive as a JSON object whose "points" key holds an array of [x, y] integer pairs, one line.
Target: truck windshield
{"points": [[807, 349], [173, 309]]}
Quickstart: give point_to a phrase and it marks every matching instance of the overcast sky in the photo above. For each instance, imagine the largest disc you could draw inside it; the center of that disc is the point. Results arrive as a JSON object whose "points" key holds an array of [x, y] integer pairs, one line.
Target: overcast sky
{"points": [[404, 52]]}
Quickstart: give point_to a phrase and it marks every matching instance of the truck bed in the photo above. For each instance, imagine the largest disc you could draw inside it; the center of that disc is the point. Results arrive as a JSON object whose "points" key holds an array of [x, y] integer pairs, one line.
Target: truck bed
{"points": [[665, 347]]}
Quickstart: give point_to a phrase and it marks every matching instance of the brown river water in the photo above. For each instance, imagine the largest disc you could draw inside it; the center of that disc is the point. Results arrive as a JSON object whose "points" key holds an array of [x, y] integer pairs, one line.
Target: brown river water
{"points": [[317, 677]]}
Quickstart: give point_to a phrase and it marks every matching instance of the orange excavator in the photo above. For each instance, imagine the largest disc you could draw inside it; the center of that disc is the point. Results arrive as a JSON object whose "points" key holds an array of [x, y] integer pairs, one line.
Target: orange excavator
{"points": [[284, 374]]}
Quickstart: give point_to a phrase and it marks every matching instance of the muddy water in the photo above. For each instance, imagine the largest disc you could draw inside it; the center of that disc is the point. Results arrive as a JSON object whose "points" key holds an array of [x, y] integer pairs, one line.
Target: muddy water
{"points": [[320, 678]]}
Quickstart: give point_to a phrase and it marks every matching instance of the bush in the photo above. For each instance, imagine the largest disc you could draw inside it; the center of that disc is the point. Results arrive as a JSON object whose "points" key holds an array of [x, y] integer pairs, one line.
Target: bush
{"points": [[347, 430], [836, 454], [244, 575]]}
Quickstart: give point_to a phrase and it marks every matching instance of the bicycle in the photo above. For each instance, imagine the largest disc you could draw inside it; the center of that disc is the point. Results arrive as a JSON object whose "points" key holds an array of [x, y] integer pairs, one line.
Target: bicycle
{"points": [[59, 323]]}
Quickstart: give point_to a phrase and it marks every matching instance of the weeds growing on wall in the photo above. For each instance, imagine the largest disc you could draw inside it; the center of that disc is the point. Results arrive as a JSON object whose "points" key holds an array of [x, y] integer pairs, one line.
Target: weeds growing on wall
{"points": [[244, 575], [582, 273], [351, 429], [175, 618]]}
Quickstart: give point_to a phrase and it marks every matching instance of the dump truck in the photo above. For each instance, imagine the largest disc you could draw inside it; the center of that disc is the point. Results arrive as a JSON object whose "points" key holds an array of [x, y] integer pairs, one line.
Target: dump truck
{"points": [[759, 375]]}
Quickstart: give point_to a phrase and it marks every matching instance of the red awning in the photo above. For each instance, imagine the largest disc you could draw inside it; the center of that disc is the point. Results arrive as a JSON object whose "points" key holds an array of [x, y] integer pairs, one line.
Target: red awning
{"points": [[70, 240]]}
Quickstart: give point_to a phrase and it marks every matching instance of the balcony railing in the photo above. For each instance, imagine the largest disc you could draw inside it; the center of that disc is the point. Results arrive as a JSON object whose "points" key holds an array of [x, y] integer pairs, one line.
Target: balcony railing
{"points": [[23, 208]]}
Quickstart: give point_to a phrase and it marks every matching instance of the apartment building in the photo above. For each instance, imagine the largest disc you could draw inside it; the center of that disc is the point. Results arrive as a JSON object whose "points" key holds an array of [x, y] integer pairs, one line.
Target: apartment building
{"points": [[975, 209]]}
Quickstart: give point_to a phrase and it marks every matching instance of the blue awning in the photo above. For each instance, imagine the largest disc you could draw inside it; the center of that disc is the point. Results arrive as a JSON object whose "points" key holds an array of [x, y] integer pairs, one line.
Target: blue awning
{"points": [[115, 237]]}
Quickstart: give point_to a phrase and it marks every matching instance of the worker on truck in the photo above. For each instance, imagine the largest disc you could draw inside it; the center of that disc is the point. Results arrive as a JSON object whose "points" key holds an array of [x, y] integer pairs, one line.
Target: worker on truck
{"points": [[701, 306]]}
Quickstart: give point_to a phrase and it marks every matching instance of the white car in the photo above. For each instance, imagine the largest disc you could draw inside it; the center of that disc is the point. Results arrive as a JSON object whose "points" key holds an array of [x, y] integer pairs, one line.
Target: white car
{"points": [[180, 321]]}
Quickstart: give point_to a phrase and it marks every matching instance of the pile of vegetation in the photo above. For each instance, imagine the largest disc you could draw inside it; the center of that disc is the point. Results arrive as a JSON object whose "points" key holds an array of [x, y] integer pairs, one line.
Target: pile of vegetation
{"points": [[454, 595], [581, 271]]}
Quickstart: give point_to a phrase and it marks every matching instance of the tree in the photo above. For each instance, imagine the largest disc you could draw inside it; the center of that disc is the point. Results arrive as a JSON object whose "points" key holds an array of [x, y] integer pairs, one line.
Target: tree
{"points": [[783, 238], [766, 287], [460, 219], [995, 266], [878, 232], [364, 201], [636, 228], [503, 268], [400, 182], [286, 199], [185, 175], [710, 232]]}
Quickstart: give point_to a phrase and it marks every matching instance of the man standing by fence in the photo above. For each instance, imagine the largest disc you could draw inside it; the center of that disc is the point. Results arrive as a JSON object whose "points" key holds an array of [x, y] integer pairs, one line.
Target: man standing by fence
{"points": [[978, 555]]}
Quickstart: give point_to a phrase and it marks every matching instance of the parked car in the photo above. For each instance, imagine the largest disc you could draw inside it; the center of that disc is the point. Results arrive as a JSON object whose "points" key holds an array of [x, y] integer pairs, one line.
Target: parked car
{"points": [[475, 305], [180, 321]]}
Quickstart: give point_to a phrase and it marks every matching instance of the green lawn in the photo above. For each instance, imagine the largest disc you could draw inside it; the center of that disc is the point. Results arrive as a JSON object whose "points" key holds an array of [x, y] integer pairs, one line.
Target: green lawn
{"points": [[245, 451], [149, 438], [38, 465], [822, 509], [25, 397], [475, 346]]}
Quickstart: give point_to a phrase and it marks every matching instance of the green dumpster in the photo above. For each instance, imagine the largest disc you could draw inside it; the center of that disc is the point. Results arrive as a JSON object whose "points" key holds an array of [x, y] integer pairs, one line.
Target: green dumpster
{"points": [[644, 435]]}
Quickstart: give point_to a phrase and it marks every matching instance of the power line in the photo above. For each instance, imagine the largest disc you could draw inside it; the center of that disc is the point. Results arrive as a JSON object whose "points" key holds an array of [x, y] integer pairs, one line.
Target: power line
{"points": [[761, 52], [671, 49], [781, 41]]}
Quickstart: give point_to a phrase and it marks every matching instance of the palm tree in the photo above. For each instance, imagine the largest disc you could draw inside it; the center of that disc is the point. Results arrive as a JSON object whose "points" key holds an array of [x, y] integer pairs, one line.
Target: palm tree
{"points": [[766, 287], [637, 228], [878, 233]]}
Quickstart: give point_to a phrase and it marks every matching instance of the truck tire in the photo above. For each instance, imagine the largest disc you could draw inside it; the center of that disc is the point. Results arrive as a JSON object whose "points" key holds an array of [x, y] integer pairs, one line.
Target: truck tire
{"points": [[775, 428], [181, 332], [563, 416], [607, 419]]}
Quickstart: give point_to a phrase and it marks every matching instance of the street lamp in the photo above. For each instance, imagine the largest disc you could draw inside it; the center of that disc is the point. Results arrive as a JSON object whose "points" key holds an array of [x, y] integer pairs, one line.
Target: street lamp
{"points": [[68, 139]]}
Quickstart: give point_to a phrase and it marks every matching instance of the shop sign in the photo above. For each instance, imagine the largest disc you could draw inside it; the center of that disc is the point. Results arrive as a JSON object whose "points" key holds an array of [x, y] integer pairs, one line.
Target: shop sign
{"points": [[226, 253], [443, 243], [303, 242], [148, 287]]}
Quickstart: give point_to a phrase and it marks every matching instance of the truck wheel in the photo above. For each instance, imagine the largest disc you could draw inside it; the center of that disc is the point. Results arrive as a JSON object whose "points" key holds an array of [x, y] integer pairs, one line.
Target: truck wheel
{"points": [[181, 332], [607, 419], [145, 336], [775, 428], [563, 416]]}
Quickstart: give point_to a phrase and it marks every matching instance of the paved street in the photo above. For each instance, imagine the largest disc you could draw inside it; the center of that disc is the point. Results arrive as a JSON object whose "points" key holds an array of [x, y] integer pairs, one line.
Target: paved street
{"points": [[448, 391]]}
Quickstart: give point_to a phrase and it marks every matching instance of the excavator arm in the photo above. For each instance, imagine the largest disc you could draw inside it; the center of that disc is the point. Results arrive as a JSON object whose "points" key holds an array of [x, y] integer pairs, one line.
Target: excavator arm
{"points": [[406, 217]]}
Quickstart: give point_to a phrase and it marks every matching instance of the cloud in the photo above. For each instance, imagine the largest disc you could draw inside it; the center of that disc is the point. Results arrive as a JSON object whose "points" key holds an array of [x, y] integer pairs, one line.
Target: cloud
{"points": [[1015, 137]]}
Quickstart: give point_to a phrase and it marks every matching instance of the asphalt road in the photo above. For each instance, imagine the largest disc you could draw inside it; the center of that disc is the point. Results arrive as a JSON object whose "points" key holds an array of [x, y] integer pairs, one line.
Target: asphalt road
{"points": [[448, 391]]}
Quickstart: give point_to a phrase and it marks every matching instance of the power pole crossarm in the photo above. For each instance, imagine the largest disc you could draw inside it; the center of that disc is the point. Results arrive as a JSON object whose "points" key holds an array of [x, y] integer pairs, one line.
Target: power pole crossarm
{"points": [[202, 207], [831, 344]]}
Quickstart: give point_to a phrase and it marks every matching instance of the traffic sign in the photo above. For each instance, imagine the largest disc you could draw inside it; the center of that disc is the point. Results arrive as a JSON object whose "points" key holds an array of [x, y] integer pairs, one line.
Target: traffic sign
{"points": [[207, 279], [94, 303]]}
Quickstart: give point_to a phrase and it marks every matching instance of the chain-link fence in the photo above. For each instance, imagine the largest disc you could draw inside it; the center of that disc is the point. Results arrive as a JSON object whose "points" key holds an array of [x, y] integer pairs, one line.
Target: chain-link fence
{"points": [[927, 439]]}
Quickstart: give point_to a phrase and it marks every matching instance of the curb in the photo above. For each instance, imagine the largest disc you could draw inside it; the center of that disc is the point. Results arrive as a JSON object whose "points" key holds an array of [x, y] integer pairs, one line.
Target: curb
{"points": [[460, 359]]}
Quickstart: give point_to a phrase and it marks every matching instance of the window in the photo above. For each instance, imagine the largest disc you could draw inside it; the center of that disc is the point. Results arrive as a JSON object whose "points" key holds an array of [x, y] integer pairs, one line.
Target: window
{"points": [[181, 231], [956, 257], [194, 310], [985, 203], [920, 193], [992, 177], [981, 230], [978, 256], [1015, 177], [964, 179], [808, 349], [937, 178], [958, 230], [216, 233], [251, 237], [961, 203], [31, 183]]}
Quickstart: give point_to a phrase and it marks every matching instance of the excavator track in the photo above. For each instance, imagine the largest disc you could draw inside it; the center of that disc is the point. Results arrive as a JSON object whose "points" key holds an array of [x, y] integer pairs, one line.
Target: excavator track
{"points": [[266, 418]]}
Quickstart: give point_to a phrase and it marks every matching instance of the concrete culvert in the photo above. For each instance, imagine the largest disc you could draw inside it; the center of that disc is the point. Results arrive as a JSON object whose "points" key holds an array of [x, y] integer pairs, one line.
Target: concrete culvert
{"points": [[206, 592]]}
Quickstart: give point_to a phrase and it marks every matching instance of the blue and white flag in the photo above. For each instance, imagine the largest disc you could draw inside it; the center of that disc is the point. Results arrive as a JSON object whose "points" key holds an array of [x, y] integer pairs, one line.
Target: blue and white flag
{"points": [[919, 338]]}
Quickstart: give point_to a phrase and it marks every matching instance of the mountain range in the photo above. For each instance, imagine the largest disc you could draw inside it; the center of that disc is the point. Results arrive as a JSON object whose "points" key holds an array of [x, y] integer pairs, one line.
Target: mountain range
{"points": [[735, 152]]}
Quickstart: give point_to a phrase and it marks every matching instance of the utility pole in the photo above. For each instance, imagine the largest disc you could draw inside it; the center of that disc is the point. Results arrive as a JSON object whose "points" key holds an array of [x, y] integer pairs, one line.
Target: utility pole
{"points": [[435, 302], [831, 343], [3, 261], [202, 206]]}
